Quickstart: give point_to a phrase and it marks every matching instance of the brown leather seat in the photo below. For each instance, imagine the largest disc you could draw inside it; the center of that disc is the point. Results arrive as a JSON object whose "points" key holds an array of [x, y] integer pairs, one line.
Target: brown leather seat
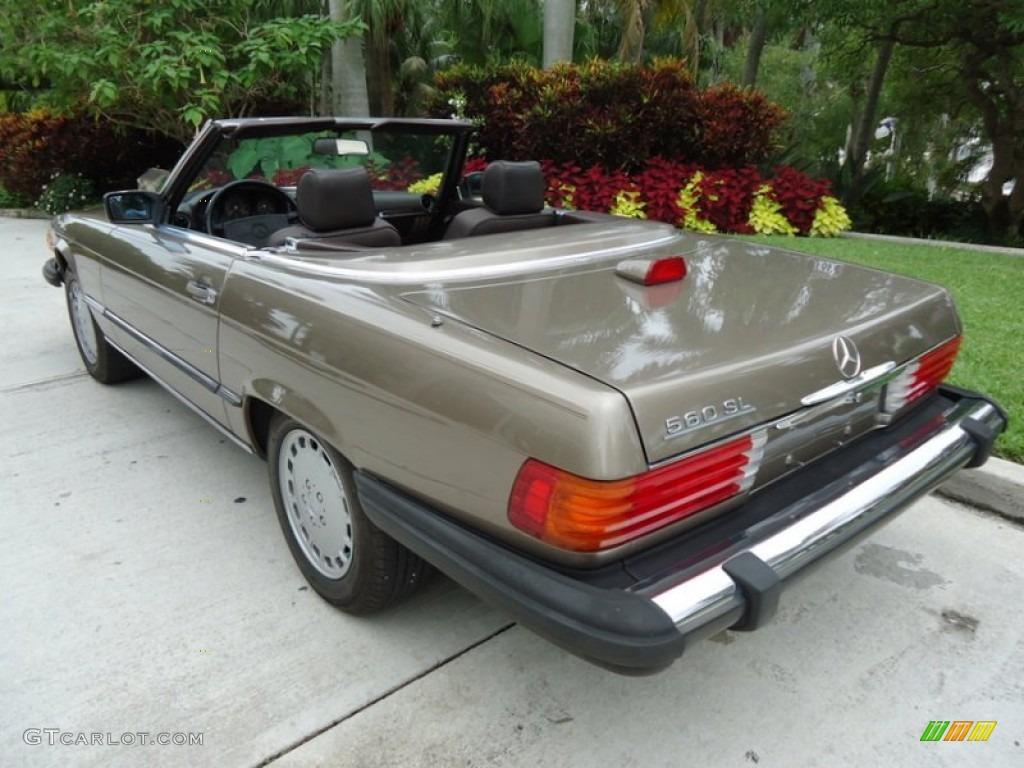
{"points": [[514, 198], [336, 209]]}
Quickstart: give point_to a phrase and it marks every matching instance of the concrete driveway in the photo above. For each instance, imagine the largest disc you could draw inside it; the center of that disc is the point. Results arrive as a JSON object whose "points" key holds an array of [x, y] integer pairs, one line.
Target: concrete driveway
{"points": [[148, 590]]}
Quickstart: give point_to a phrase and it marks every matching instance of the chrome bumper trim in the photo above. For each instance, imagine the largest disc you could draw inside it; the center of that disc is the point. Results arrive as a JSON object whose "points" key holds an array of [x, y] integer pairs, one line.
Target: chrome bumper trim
{"points": [[702, 603]]}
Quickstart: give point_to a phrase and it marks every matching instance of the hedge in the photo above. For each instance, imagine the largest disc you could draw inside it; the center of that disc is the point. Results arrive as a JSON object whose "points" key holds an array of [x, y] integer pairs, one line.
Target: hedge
{"points": [[38, 146], [600, 112]]}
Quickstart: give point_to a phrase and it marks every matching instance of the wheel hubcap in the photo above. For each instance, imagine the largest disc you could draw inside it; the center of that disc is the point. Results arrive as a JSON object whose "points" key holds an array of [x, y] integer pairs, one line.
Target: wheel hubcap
{"points": [[315, 503], [81, 317]]}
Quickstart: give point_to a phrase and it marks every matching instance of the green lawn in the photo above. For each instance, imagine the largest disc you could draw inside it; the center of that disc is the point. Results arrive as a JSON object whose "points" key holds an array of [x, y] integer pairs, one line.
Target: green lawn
{"points": [[988, 291]]}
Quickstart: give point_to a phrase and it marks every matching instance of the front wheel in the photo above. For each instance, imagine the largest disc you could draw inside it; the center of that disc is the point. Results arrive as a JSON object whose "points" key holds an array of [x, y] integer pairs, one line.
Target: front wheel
{"points": [[345, 557], [103, 362]]}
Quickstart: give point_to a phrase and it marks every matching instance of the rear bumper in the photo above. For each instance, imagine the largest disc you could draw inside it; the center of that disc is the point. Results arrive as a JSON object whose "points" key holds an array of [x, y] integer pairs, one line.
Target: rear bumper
{"points": [[638, 617]]}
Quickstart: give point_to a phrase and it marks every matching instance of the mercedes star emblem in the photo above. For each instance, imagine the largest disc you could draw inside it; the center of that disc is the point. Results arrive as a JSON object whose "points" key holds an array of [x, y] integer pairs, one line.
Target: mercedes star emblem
{"points": [[847, 357]]}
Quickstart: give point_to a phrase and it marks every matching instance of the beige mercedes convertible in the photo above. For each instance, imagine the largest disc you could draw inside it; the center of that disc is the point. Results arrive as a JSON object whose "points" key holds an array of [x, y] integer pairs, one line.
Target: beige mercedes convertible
{"points": [[624, 435]]}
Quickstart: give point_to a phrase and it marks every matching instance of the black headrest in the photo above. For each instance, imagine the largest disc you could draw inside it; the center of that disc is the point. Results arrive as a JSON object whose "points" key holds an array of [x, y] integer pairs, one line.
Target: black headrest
{"points": [[329, 200], [511, 189]]}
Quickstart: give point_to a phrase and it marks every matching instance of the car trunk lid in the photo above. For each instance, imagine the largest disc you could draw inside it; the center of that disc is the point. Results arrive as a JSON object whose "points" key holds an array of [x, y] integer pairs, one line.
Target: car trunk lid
{"points": [[750, 335]]}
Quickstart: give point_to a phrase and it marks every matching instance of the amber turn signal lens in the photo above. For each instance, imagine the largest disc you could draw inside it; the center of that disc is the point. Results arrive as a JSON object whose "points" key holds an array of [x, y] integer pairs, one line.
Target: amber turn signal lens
{"points": [[585, 515]]}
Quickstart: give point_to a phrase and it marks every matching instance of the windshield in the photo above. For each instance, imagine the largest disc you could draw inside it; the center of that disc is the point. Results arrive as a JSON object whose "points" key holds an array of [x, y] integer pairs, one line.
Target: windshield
{"points": [[397, 161]]}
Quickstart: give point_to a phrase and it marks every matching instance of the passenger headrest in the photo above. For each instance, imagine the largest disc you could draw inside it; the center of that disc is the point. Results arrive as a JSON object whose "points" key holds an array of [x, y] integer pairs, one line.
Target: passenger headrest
{"points": [[329, 200], [510, 189]]}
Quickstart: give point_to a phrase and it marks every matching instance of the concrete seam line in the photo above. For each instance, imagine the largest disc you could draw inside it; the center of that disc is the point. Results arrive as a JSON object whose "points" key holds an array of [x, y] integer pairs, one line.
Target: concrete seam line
{"points": [[389, 692], [43, 384]]}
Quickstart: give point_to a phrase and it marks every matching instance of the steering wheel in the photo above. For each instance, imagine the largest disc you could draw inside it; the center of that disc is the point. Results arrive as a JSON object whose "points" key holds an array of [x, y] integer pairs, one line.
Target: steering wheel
{"points": [[252, 229]]}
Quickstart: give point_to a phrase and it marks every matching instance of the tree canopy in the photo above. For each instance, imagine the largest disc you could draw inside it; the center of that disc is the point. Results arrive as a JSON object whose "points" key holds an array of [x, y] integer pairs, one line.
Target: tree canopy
{"points": [[166, 65]]}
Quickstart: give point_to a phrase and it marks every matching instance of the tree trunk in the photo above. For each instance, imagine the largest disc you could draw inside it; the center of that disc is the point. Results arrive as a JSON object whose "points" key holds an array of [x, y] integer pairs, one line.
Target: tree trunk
{"points": [[379, 81], [755, 47], [324, 107], [1005, 213], [559, 29], [348, 71], [865, 128], [631, 45]]}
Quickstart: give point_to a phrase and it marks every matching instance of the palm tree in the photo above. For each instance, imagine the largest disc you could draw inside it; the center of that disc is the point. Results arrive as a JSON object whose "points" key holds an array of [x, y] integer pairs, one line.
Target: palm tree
{"points": [[559, 26], [636, 15], [493, 30], [348, 72], [384, 20]]}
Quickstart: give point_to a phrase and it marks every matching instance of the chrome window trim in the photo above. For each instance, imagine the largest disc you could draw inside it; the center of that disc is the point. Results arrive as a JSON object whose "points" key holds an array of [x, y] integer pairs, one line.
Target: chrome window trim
{"points": [[202, 239], [373, 268]]}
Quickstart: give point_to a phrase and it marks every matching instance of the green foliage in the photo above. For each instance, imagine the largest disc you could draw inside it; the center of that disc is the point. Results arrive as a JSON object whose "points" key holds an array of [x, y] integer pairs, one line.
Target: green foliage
{"points": [[492, 31], [169, 65], [900, 207], [265, 157], [606, 113], [11, 200], [270, 155], [819, 106], [66, 193]]}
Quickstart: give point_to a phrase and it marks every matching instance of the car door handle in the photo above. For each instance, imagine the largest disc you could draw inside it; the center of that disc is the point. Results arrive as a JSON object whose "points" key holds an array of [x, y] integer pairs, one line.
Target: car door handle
{"points": [[201, 292]]}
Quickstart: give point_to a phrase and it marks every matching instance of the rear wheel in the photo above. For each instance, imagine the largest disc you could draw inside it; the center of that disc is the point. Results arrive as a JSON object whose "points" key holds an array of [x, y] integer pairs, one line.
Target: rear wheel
{"points": [[103, 362], [345, 557]]}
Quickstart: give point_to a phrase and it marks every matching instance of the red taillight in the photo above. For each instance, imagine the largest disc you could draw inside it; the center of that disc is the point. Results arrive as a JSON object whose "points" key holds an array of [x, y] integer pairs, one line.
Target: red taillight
{"points": [[921, 376], [584, 515], [667, 269]]}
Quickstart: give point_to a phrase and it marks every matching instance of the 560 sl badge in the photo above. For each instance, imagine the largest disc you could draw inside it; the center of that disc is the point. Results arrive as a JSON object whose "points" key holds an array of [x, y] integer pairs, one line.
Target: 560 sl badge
{"points": [[705, 416]]}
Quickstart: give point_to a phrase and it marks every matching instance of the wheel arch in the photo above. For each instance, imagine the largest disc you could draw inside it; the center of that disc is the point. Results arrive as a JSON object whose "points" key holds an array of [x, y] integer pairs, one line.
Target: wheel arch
{"points": [[270, 398]]}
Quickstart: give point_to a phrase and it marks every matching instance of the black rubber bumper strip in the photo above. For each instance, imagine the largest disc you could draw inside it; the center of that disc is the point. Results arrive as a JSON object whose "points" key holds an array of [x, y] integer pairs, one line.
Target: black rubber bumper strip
{"points": [[761, 588], [616, 629]]}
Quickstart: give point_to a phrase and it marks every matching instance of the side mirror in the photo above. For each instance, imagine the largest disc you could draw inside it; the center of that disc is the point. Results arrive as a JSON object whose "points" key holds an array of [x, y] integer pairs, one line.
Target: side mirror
{"points": [[133, 207]]}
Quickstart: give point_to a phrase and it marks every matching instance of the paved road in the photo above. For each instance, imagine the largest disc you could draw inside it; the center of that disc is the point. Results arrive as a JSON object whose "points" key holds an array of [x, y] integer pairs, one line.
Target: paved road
{"points": [[147, 588]]}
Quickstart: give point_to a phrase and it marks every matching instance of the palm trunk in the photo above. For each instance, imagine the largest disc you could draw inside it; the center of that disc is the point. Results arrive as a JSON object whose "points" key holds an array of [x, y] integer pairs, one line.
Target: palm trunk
{"points": [[379, 81], [559, 28], [348, 71]]}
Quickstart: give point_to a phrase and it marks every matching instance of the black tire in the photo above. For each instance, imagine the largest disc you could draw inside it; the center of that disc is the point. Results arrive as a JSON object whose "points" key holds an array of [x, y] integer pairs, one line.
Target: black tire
{"points": [[348, 560], [103, 362]]}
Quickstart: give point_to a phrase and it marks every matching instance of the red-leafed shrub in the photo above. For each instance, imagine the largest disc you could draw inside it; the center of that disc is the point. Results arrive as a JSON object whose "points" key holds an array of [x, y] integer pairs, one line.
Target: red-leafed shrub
{"points": [[726, 197], [725, 200], [37, 146], [799, 195], [609, 113], [659, 185], [474, 165], [737, 126], [396, 175], [288, 177], [561, 180]]}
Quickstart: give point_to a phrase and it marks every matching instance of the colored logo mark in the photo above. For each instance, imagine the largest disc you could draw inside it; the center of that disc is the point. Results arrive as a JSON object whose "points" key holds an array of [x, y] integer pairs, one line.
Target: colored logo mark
{"points": [[958, 730]]}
